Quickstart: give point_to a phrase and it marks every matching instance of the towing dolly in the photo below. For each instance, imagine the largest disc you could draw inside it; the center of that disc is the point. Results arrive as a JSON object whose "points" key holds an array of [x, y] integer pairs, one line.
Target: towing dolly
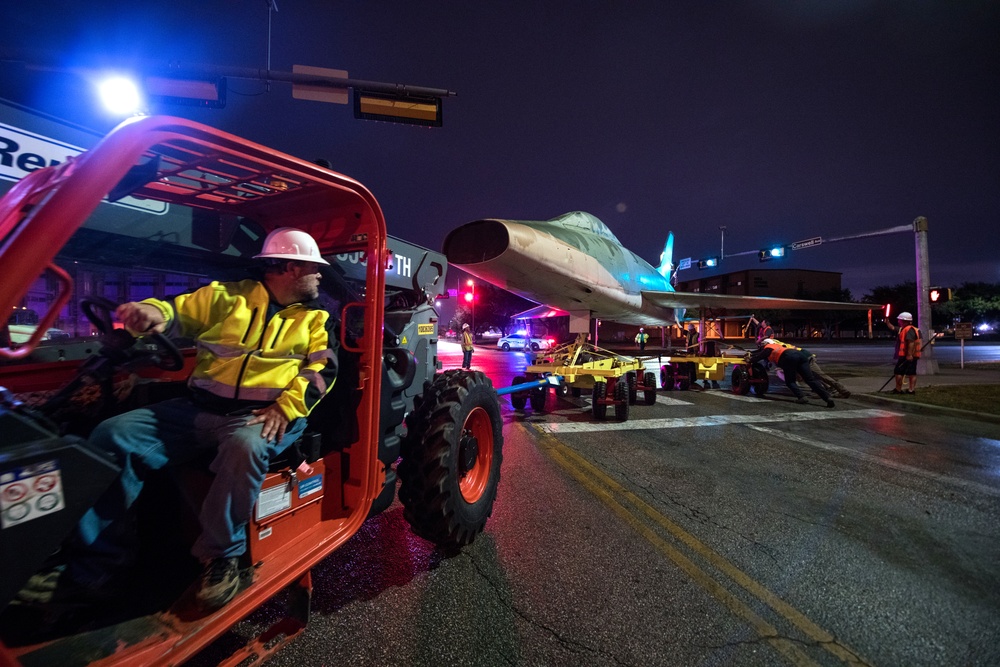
{"points": [[615, 380], [677, 371]]}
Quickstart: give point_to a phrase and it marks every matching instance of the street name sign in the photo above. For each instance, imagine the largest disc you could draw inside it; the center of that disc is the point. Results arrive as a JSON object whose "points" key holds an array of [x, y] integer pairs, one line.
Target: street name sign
{"points": [[807, 243]]}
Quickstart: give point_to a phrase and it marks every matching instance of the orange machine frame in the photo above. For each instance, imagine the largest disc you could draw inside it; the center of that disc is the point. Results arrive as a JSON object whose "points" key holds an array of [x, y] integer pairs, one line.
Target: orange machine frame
{"points": [[40, 214]]}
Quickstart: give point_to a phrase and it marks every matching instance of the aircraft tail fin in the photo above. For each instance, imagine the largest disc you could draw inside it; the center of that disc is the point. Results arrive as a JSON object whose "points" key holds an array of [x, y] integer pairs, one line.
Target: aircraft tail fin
{"points": [[666, 267]]}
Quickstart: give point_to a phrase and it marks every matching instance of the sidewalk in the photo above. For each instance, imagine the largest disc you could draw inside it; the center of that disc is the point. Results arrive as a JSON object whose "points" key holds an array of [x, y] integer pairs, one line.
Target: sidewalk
{"points": [[867, 389]]}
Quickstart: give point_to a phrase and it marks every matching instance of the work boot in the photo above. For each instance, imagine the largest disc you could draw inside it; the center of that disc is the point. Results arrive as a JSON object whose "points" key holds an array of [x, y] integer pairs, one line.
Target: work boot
{"points": [[830, 403], [843, 393], [219, 583], [41, 587]]}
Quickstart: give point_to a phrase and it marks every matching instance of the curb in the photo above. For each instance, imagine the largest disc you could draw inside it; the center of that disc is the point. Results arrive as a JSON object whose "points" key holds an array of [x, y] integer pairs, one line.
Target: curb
{"points": [[912, 406]]}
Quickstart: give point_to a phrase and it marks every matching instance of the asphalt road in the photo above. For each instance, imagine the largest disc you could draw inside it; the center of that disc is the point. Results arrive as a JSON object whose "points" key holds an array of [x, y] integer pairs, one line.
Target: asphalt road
{"points": [[709, 529]]}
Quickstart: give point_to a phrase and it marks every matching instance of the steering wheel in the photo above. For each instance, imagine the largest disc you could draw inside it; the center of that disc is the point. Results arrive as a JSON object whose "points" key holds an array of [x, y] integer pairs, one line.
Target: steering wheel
{"points": [[98, 310]]}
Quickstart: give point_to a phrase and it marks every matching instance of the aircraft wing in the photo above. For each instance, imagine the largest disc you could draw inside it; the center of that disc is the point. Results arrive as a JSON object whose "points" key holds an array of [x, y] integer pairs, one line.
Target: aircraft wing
{"points": [[700, 301]]}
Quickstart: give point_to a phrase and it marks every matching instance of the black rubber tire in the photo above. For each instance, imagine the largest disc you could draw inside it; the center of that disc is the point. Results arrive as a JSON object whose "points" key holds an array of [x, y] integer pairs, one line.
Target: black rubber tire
{"points": [[505, 347], [632, 380], [622, 392], [649, 394], [519, 399], [740, 380], [667, 379], [600, 392], [576, 392], [450, 469], [763, 382], [537, 398], [534, 347]]}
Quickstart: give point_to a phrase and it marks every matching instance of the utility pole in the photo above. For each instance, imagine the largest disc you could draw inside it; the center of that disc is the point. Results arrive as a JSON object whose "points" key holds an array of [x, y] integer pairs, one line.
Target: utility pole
{"points": [[927, 364], [722, 244]]}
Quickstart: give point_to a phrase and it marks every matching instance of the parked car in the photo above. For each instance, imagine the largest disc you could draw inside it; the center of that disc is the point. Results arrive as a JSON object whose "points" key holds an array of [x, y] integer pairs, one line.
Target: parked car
{"points": [[520, 341]]}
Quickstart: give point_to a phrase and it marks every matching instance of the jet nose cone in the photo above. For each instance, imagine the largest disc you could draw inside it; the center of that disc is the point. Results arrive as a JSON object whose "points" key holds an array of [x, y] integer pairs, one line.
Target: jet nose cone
{"points": [[476, 242]]}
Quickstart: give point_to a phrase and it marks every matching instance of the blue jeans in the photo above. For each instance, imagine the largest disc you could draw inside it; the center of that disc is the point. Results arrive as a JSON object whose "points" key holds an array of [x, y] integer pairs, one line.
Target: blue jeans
{"points": [[466, 358], [168, 434]]}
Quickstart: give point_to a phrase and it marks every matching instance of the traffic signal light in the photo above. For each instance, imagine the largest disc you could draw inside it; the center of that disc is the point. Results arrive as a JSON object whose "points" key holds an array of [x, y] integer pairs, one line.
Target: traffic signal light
{"points": [[708, 263], [940, 294], [767, 254]]}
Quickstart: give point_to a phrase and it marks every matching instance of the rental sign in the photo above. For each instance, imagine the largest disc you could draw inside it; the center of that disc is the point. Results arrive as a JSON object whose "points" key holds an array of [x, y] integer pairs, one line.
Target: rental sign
{"points": [[22, 152]]}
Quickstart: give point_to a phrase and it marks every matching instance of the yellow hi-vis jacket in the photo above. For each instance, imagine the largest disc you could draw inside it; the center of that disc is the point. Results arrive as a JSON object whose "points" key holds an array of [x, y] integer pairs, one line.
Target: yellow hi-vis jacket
{"points": [[251, 350]]}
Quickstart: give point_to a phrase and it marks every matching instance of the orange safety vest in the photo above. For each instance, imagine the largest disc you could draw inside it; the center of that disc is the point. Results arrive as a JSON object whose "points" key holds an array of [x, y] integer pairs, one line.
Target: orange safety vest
{"points": [[902, 342], [776, 350]]}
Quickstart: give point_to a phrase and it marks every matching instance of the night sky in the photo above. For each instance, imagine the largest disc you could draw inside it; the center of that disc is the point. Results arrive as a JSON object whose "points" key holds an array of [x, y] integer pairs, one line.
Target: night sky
{"points": [[780, 120]]}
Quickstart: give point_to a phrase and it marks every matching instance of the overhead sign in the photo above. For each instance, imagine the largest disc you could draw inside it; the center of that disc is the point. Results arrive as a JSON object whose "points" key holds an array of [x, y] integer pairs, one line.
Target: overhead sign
{"points": [[963, 330], [317, 92], [807, 243], [684, 264], [22, 152]]}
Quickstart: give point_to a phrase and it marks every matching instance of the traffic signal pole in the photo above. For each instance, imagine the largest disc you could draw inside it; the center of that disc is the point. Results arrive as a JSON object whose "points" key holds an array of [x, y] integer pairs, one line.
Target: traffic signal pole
{"points": [[927, 364]]}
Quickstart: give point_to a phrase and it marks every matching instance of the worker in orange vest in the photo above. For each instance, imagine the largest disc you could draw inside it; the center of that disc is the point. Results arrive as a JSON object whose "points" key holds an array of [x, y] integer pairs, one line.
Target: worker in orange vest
{"points": [[466, 347], [792, 362], [906, 353]]}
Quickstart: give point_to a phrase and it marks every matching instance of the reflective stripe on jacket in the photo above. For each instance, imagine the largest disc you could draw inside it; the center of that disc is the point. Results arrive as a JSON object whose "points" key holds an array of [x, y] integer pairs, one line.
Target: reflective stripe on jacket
{"points": [[466, 340], [245, 355], [902, 342]]}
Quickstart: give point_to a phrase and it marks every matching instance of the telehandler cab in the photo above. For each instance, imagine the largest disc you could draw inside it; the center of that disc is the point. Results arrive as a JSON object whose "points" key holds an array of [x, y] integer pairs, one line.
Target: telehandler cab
{"points": [[161, 206]]}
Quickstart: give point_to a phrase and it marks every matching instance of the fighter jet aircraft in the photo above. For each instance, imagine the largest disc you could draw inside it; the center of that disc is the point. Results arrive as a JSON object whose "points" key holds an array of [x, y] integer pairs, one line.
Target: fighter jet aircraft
{"points": [[575, 263]]}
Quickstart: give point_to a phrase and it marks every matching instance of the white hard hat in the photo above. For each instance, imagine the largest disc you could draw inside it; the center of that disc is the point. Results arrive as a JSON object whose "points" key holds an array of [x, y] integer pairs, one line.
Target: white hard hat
{"points": [[641, 329], [290, 243], [905, 316], [769, 341], [465, 326]]}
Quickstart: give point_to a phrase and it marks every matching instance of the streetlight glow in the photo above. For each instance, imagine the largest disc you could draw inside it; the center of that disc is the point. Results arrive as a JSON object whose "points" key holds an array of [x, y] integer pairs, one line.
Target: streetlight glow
{"points": [[120, 95]]}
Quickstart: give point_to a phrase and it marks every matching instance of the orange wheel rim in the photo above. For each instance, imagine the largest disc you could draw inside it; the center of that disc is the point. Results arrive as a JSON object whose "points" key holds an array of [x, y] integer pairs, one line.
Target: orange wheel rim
{"points": [[479, 426]]}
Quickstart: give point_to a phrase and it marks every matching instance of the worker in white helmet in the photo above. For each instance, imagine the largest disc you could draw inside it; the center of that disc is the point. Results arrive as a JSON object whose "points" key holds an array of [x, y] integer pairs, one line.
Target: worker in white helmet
{"points": [[641, 338], [266, 356], [467, 347], [906, 353]]}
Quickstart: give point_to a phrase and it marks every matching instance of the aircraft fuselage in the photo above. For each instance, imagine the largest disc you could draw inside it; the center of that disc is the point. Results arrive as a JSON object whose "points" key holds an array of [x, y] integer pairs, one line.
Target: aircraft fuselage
{"points": [[573, 262]]}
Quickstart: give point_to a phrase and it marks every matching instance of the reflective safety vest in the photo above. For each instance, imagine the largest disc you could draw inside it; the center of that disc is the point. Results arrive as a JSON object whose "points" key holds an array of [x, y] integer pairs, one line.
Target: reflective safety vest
{"points": [[775, 350], [902, 342], [641, 337]]}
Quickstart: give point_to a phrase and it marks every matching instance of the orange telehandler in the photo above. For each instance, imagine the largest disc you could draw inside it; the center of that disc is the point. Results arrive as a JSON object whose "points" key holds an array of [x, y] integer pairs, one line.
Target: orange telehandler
{"points": [[162, 205]]}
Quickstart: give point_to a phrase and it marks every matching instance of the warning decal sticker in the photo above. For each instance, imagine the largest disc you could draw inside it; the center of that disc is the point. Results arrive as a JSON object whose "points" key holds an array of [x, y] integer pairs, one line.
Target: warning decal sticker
{"points": [[30, 492]]}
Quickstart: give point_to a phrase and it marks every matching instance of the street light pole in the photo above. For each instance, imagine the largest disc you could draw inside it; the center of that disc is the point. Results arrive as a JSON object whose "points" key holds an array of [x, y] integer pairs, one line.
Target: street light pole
{"points": [[722, 243], [927, 364]]}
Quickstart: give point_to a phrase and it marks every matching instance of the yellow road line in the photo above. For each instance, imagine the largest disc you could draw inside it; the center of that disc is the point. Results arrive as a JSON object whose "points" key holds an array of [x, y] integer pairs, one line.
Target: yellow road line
{"points": [[608, 491]]}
